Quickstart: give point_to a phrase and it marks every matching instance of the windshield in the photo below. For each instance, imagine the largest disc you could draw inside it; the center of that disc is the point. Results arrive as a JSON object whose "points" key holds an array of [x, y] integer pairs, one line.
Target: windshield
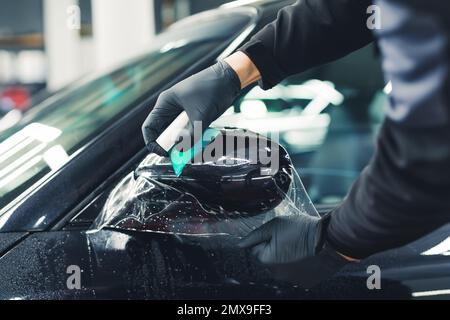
{"points": [[54, 130]]}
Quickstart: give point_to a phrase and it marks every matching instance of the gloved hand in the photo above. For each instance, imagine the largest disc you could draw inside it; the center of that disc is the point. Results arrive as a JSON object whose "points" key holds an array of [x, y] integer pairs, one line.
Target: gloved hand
{"points": [[294, 248], [204, 96], [286, 239]]}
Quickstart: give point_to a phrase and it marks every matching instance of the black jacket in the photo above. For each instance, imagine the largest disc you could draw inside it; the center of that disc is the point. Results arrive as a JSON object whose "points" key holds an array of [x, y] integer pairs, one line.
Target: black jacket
{"points": [[404, 192], [306, 34]]}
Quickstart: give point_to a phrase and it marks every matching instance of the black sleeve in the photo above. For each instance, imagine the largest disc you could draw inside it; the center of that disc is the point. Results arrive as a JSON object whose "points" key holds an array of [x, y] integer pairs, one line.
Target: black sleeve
{"points": [[403, 194], [306, 34]]}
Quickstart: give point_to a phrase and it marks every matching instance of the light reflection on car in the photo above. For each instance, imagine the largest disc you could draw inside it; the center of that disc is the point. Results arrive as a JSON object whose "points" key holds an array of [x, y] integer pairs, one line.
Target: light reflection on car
{"points": [[302, 116]]}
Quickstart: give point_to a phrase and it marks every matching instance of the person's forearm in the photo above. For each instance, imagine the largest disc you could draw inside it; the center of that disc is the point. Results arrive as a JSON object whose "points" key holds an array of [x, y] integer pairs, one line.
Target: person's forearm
{"points": [[399, 197], [244, 67], [307, 34]]}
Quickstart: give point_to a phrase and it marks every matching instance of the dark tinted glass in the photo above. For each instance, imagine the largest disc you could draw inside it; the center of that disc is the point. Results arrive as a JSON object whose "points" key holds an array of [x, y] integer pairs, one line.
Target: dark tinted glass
{"points": [[53, 131]]}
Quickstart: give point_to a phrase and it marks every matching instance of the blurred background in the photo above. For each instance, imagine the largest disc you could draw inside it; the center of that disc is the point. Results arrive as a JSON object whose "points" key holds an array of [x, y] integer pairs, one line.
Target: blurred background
{"points": [[47, 44]]}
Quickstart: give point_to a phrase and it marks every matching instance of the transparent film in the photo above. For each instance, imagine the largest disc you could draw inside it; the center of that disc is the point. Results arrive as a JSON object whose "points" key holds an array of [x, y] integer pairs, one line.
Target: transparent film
{"points": [[230, 192]]}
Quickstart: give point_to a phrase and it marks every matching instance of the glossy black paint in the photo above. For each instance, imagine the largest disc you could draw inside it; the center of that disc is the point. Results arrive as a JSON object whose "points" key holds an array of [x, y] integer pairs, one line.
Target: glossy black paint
{"points": [[7, 240], [135, 265]]}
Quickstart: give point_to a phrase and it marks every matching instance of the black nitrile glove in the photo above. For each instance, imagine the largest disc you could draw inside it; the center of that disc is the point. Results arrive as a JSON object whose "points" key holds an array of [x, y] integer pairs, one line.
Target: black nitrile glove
{"points": [[294, 248], [204, 96], [285, 239]]}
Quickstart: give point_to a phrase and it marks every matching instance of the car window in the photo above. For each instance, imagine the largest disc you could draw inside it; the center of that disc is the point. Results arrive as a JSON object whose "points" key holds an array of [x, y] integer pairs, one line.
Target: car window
{"points": [[44, 139], [326, 119], [51, 132]]}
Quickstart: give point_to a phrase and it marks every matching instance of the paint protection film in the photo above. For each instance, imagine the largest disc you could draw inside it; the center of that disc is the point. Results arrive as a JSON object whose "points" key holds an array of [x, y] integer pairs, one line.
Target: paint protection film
{"points": [[230, 193]]}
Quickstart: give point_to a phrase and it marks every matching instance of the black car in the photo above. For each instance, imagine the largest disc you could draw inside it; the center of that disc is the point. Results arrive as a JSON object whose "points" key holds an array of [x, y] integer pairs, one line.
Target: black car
{"points": [[61, 161]]}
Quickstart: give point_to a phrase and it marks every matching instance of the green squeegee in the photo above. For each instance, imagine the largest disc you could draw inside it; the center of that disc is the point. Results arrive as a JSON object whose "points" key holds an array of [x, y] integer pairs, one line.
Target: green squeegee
{"points": [[167, 140], [179, 159]]}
